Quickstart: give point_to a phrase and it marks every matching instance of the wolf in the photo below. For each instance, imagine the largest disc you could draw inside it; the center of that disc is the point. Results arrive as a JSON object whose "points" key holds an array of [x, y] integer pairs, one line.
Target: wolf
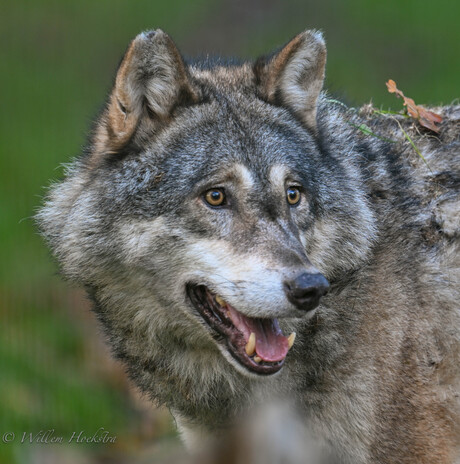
{"points": [[242, 239]]}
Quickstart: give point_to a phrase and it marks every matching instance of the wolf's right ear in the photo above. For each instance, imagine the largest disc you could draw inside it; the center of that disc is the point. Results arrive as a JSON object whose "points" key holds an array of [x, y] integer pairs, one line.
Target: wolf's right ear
{"points": [[294, 76], [152, 79]]}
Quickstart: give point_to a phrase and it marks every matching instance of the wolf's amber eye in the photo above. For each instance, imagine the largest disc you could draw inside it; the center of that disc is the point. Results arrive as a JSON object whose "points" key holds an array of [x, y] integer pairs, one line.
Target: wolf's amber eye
{"points": [[215, 197], [293, 195]]}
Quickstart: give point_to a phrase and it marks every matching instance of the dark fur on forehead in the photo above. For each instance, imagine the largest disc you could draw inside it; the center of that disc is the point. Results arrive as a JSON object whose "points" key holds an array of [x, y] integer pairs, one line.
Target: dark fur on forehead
{"points": [[154, 84], [208, 63]]}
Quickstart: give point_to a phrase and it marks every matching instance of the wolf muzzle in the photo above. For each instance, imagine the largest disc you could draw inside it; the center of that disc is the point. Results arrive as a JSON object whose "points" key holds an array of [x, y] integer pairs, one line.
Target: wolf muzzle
{"points": [[305, 290]]}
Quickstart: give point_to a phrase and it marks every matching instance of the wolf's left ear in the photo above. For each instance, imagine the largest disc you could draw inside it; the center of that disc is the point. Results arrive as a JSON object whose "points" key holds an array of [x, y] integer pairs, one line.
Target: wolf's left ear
{"points": [[294, 76], [151, 81]]}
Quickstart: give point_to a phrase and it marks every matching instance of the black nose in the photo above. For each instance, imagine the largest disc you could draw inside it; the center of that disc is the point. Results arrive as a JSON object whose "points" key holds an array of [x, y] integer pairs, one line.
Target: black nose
{"points": [[306, 290]]}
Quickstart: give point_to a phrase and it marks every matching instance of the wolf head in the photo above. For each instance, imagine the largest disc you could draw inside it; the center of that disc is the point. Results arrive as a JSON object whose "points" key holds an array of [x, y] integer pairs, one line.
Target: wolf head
{"points": [[212, 204]]}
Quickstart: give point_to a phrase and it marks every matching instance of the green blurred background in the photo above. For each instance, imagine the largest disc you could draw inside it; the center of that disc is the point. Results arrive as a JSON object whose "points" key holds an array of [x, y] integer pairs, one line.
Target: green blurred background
{"points": [[57, 61]]}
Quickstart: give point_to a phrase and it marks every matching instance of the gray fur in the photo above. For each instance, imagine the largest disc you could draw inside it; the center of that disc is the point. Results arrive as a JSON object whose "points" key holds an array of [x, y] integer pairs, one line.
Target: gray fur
{"points": [[375, 367]]}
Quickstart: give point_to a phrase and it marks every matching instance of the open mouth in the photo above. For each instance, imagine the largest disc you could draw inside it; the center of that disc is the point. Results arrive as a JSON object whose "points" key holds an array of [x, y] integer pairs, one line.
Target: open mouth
{"points": [[257, 343]]}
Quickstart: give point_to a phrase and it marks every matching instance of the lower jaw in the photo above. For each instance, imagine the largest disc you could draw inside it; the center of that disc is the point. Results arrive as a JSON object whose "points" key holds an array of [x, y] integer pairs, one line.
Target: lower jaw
{"points": [[260, 368]]}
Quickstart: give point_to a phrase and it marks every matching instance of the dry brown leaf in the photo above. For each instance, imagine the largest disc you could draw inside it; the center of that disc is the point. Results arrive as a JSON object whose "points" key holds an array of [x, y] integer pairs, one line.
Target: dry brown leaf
{"points": [[391, 86], [429, 119], [426, 118]]}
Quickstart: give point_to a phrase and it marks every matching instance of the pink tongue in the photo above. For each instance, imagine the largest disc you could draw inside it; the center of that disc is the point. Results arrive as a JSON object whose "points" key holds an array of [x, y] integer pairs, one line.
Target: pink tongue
{"points": [[271, 344]]}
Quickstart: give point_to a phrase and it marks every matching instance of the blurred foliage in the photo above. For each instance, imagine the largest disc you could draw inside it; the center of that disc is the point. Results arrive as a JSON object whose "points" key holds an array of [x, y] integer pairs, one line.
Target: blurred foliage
{"points": [[58, 60]]}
